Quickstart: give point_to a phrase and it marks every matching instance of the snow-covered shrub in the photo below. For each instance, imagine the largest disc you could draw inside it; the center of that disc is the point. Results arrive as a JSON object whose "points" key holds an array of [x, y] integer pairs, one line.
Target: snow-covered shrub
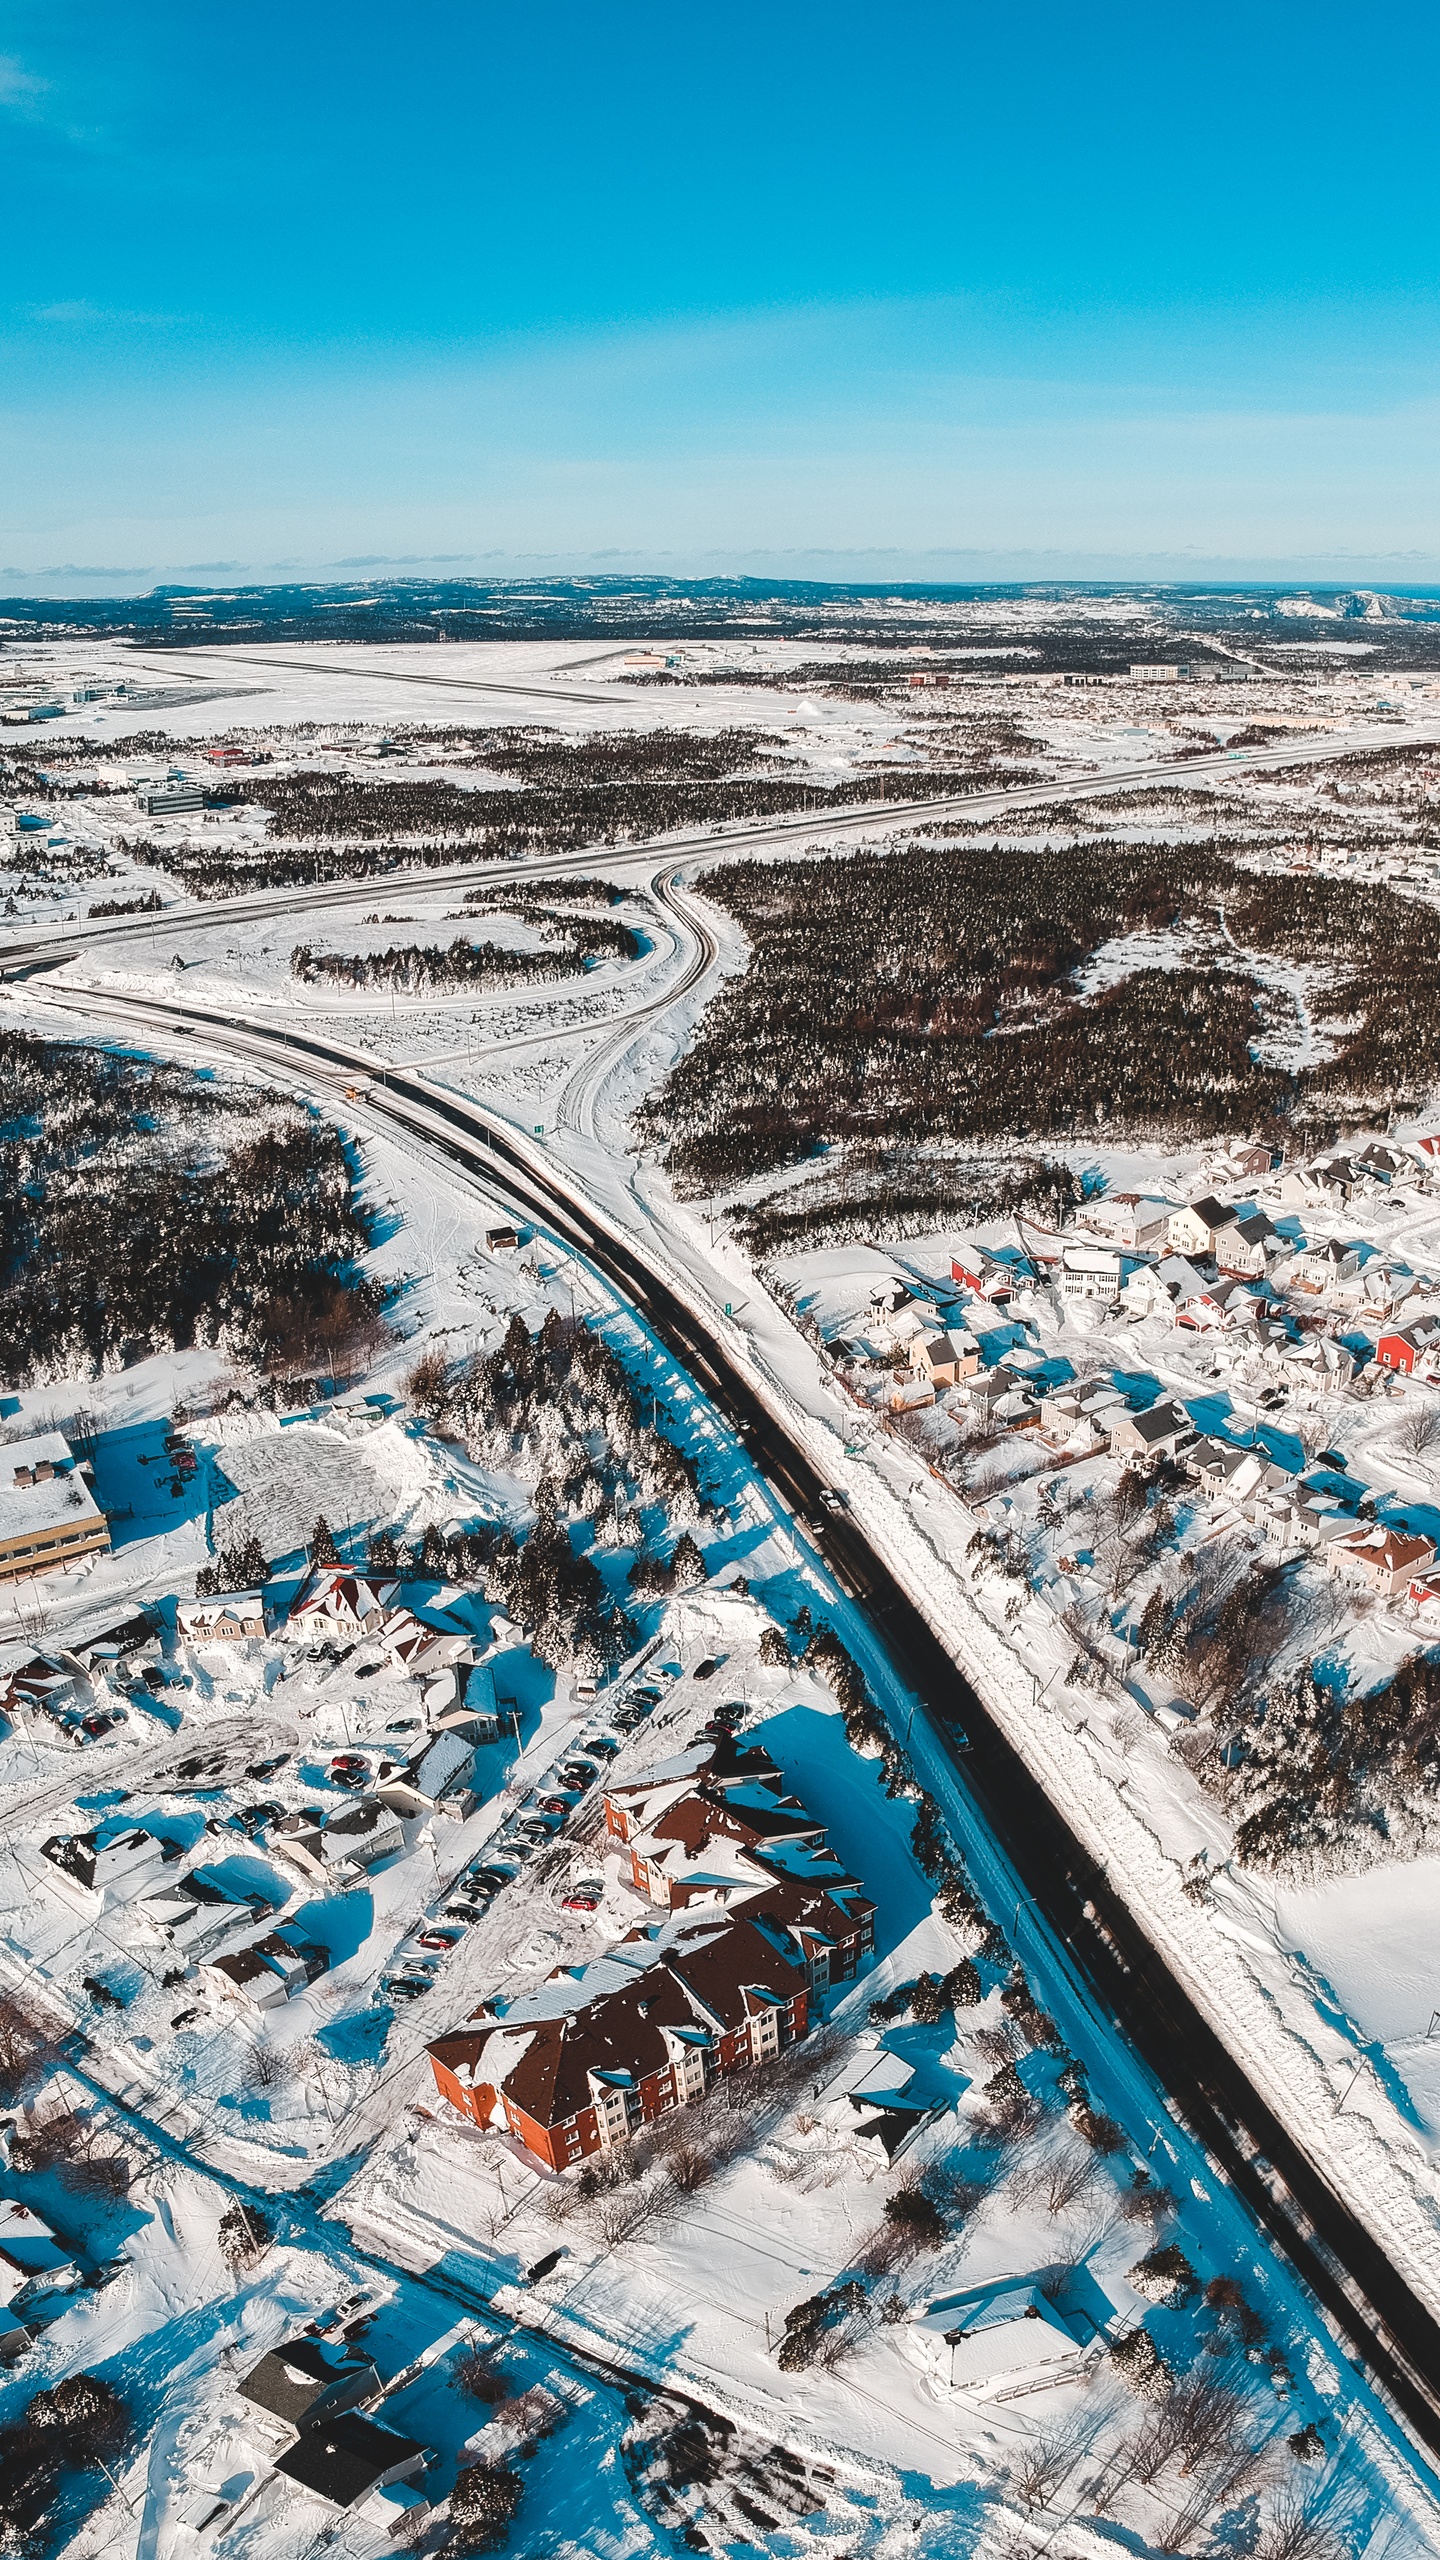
{"points": [[1165, 2275], [1140, 2365], [483, 2505]]}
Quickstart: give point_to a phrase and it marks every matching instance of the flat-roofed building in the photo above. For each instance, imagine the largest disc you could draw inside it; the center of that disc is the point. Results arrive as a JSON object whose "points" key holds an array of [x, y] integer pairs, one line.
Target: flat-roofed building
{"points": [[49, 1517]]}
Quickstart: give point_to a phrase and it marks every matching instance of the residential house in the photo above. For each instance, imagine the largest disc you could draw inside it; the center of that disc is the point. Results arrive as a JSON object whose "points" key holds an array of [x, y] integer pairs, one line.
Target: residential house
{"points": [[1244, 1249], [1077, 1418], [1161, 1288], [307, 2382], [1160, 1432], [987, 1277], [945, 1358], [1253, 1161], [1381, 1162], [349, 2458], [1199, 1227], [196, 1916], [118, 1643], [1379, 1559], [578, 2067], [437, 1780], [1320, 1269], [49, 1518], [1307, 1521], [1091, 1271], [92, 1877], [230, 1618], [362, 1832], [1131, 1221], [267, 1974], [995, 2343], [1224, 1471], [336, 1606], [1403, 1346], [1219, 1308], [422, 1644], [31, 2258]]}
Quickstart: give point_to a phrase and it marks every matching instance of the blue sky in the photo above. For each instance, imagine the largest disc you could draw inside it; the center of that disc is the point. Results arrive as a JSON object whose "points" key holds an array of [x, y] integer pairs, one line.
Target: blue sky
{"points": [[922, 290]]}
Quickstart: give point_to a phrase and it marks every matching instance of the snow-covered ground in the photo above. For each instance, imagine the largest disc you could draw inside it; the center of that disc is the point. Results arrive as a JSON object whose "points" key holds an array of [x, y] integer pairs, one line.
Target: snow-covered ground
{"points": [[1309, 1981]]}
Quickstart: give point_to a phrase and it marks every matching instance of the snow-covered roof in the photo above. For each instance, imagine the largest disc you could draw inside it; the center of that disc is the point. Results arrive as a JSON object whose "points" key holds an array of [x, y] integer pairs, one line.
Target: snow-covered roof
{"points": [[982, 2341], [59, 1500]]}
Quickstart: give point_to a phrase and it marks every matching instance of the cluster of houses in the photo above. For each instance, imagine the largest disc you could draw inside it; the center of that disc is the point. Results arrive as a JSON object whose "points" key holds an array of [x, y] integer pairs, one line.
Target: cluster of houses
{"points": [[223, 1937], [761, 1918], [1313, 1312]]}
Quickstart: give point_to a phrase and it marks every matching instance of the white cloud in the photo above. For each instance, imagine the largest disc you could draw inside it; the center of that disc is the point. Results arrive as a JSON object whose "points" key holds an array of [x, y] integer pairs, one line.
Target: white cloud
{"points": [[19, 88], [82, 313]]}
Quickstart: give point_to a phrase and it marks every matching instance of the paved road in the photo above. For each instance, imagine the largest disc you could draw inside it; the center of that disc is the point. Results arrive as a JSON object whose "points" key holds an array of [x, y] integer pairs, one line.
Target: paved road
{"points": [[735, 839], [1103, 1943]]}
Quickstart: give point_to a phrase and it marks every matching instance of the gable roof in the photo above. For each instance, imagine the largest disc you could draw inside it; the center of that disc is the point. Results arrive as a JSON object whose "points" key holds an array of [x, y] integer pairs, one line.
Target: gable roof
{"points": [[343, 2457]]}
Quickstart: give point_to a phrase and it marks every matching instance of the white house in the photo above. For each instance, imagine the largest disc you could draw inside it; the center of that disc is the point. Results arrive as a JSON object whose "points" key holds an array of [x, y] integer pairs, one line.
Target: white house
{"points": [[91, 1878], [335, 1604], [227, 1619], [996, 2343], [1091, 1271], [1132, 1221], [1199, 1227]]}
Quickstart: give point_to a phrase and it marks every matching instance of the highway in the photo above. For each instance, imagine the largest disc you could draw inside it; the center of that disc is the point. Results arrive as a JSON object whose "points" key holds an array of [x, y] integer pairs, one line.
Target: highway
{"points": [[732, 840], [1116, 1967]]}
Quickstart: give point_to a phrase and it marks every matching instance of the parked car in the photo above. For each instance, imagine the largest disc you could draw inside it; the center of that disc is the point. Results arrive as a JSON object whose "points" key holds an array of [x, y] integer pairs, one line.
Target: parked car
{"points": [[441, 1939], [495, 1877], [581, 1902], [406, 1986], [579, 1773], [464, 1914], [707, 1669], [552, 1804], [604, 1743]]}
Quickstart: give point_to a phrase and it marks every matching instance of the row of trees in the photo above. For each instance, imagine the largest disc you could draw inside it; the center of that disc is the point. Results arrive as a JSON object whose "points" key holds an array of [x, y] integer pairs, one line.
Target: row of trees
{"points": [[462, 963]]}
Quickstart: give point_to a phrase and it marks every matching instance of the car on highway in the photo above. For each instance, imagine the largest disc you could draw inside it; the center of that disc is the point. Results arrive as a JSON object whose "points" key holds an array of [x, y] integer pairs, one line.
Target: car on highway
{"points": [[830, 1500]]}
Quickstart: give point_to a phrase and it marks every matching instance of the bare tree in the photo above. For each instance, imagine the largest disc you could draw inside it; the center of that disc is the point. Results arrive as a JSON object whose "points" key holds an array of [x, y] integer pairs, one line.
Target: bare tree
{"points": [[1419, 1431]]}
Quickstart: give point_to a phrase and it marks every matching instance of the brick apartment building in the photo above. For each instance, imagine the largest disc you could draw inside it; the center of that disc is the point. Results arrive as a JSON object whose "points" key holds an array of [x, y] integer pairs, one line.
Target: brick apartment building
{"points": [[666, 2016], [761, 1918]]}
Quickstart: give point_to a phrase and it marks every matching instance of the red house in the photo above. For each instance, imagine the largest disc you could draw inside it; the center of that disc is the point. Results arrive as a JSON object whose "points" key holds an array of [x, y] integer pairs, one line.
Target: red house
{"points": [[1403, 1346]]}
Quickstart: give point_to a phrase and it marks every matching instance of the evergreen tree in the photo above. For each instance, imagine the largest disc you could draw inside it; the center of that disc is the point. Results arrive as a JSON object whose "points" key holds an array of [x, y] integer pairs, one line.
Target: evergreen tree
{"points": [[323, 1549]]}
